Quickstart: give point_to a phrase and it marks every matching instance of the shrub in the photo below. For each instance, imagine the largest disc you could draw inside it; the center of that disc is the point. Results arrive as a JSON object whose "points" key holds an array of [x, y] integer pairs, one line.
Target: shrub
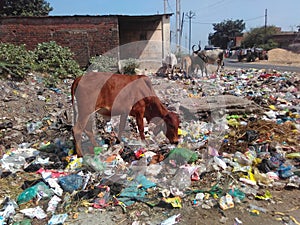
{"points": [[47, 57], [15, 60], [130, 65], [56, 60], [103, 63]]}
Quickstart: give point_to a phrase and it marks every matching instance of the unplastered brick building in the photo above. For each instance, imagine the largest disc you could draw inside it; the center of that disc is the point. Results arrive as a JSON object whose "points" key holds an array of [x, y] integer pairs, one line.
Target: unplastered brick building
{"points": [[146, 38]]}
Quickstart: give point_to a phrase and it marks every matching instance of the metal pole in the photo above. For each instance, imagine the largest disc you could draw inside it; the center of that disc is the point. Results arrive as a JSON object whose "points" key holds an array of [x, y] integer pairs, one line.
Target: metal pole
{"points": [[165, 6], [190, 15], [181, 29], [177, 24], [266, 17]]}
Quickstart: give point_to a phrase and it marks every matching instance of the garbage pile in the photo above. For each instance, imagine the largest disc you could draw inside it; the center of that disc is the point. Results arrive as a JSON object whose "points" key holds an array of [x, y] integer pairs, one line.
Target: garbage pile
{"points": [[221, 161]]}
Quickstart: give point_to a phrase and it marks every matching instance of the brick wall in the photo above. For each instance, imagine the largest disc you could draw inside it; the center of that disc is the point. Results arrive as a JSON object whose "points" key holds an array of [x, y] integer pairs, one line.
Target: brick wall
{"points": [[86, 36]]}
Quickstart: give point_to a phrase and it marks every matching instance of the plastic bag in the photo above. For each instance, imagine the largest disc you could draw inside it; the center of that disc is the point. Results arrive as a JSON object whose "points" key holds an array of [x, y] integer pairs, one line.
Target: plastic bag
{"points": [[37, 212], [40, 190], [182, 155], [182, 179], [58, 219], [71, 182]]}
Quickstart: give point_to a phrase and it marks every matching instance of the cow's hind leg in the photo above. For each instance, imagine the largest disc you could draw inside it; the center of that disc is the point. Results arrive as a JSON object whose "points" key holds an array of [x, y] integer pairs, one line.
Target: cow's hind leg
{"points": [[78, 129], [122, 125]]}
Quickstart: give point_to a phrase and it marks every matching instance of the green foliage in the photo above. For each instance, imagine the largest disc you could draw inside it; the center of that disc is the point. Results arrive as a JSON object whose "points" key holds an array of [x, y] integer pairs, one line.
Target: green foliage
{"points": [[55, 60], [24, 8], [226, 31], [261, 37], [15, 60], [47, 57], [130, 66], [103, 63]]}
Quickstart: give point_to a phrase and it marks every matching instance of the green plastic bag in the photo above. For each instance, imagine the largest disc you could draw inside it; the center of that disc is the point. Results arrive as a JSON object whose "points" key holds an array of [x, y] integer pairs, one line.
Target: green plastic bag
{"points": [[32, 192], [182, 155]]}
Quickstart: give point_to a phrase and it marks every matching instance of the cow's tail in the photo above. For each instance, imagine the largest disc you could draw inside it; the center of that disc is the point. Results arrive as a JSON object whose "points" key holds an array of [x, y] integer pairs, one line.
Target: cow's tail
{"points": [[74, 103]]}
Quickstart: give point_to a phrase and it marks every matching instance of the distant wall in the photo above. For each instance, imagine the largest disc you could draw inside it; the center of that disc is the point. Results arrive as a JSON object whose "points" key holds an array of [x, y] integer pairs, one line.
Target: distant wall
{"points": [[86, 36], [146, 38], [285, 39], [143, 37]]}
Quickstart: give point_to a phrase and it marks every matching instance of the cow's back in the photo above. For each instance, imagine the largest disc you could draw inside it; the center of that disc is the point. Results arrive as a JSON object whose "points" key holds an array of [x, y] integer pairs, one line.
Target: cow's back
{"points": [[114, 93], [124, 90]]}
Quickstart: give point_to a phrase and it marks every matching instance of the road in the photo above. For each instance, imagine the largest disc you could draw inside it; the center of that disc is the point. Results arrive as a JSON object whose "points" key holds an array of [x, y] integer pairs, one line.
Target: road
{"points": [[235, 64]]}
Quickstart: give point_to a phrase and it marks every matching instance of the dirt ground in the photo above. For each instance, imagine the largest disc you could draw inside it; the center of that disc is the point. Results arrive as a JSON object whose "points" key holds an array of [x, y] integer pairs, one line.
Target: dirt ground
{"points": [[25, 104], [283, 208], [279, 56]]}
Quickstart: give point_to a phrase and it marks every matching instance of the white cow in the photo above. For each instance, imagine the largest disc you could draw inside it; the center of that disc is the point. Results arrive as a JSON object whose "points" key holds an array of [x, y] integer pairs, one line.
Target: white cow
{"points": [[170, 62], [214, 55]]}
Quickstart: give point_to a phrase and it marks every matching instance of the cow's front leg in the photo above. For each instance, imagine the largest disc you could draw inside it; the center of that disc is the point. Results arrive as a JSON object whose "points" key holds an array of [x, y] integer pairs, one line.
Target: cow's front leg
{"points": [[140, 124], [122, 124]]}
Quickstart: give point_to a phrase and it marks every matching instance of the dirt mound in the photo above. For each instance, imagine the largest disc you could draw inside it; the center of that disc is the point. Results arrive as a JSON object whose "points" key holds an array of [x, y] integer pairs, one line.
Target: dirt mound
{"points": [[279, 55]]}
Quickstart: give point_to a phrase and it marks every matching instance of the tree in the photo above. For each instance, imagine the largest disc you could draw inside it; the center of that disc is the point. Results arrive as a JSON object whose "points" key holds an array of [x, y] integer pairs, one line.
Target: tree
{"points": [[261, 37], [225, 32], [24, 8]]}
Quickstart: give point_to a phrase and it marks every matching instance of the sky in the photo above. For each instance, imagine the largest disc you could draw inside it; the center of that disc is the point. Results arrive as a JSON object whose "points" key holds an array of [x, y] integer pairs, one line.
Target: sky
{"points": [[284, 14]]}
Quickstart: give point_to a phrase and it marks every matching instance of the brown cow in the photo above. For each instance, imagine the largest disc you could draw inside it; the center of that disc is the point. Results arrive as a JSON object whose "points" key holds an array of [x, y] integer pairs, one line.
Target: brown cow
{"points": [[117, 94]]}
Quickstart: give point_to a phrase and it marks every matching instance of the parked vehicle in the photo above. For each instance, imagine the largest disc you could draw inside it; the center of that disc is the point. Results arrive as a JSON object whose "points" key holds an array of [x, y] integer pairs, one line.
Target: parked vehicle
{"points": [[251, 54]]}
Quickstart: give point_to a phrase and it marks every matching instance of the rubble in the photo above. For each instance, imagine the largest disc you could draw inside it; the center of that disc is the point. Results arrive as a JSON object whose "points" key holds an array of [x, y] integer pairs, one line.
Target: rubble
{"points": [[239, 144]]}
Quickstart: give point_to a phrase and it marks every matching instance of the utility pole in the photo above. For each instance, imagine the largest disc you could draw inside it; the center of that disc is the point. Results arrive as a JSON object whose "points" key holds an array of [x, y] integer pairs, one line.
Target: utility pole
{"points": [[165, 6], [177, 25], [266, 18], [181, 29], [190, 16]]}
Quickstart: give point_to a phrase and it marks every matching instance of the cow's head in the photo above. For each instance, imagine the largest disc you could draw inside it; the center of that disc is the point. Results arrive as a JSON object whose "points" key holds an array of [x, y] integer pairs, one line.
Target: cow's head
{"points": [[172, 123], [196, 51], [199, 53]]}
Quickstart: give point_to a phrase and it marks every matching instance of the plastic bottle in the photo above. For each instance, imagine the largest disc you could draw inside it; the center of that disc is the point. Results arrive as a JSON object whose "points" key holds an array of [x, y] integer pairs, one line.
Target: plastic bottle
{"points": [[248, 190], [94, 162], [171, 220], [32, 127], [182, 179], [255, 207], [240, 158], [220, 162]]}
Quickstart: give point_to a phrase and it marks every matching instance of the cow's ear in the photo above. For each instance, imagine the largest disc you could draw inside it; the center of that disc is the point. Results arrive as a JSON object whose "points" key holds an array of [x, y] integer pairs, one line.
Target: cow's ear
{"points": [[168, 119]]}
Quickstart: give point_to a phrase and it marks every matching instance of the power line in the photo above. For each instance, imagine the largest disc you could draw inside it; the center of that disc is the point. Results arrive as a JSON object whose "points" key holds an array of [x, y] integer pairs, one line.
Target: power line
{"points": [[199, 22], [215, 5], [255, 18]]}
